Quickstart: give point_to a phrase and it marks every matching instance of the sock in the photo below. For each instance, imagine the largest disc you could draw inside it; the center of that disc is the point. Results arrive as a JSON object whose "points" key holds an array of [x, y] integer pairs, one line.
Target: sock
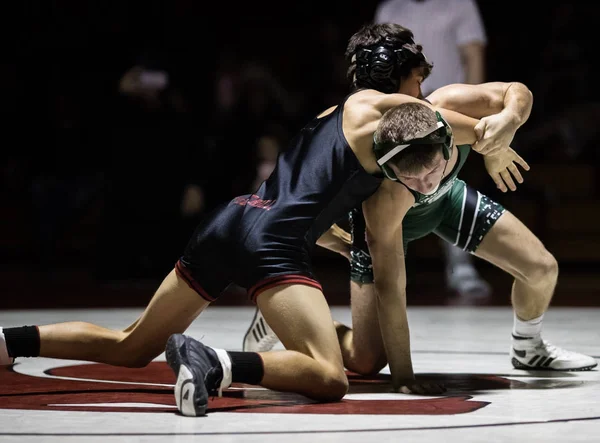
{"points": [[23, 341], [527, 329], [5, 358], [246, 367]]}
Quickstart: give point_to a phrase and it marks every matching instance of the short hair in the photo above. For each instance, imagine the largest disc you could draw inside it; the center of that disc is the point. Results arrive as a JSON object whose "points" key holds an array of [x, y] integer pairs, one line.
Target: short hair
{"points": [[374, 33], [401, 124]]}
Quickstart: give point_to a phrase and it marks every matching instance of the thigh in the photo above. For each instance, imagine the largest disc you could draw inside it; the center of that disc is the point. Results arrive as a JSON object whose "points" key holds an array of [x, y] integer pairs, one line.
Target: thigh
{"points": [[301, 318], [511, 246], [171, 310], [469, 216]]}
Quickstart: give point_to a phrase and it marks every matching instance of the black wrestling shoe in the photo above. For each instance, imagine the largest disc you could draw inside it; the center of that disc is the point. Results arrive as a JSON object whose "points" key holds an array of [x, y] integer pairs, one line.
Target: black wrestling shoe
{"points": [[199, 373]]}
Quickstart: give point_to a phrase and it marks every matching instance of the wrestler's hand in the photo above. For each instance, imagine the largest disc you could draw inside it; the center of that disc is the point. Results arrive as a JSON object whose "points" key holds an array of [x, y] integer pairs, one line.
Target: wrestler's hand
{"points": [[494, 134], [420, 388], [502, 167], [337, 240]]}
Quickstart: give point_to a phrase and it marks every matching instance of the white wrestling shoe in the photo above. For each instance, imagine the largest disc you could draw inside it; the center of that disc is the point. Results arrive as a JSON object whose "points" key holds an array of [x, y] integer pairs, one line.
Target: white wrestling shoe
{"points": [[538, 354], [259, 336], [5, 360]]}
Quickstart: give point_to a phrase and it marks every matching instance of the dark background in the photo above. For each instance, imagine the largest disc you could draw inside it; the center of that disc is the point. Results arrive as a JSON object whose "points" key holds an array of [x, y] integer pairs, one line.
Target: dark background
{"points": [[91, 178]]}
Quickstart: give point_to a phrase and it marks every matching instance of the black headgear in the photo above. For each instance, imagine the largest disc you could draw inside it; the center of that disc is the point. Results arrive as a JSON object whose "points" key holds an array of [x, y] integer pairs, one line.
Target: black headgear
{"points": [[441, 133], [378, 65]]}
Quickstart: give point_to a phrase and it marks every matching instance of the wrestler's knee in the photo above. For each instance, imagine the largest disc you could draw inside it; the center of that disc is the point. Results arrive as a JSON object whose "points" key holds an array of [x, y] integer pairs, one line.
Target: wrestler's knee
{"points": [[133, 353], [369, 364], [542, 267], [333, 384]]}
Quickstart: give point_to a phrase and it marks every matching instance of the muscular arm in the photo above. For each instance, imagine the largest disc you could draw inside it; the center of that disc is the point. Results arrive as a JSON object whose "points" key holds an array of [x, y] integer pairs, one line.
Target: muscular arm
{"points": [[514, 100], [363, 112], [463, 126], [384, 213], [501, 107]]}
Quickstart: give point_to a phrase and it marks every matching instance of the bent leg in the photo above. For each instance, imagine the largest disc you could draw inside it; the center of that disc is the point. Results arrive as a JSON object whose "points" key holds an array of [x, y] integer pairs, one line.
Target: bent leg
{"points": [[511, 246], [362, 346], [172, 309], [312, 363]]}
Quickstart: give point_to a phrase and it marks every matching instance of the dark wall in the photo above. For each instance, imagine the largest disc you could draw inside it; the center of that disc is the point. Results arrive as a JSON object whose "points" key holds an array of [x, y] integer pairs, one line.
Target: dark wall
{"points": [[93, 178]]}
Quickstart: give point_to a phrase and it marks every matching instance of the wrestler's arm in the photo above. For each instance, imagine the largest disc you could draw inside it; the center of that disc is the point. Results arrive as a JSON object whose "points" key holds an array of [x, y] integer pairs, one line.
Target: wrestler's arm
{"points": [[487, 136], [501, 107], [384, 212], [462, 125], [513, 99]]}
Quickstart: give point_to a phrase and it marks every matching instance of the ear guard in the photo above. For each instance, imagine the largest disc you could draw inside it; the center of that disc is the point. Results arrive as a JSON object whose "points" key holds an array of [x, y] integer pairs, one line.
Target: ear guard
{"points": [[439, 133], [377, 66]]}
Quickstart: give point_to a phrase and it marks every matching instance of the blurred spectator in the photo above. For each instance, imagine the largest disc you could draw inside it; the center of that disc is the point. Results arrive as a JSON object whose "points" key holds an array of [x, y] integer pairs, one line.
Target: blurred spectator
{"points": [[454, 40], [254, 118], [268, 147], [155, 185]]}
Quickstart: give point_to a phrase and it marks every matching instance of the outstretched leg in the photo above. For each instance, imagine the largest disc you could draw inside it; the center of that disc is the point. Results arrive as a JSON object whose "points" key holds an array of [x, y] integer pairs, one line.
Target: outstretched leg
{"points": [[172, 309]]}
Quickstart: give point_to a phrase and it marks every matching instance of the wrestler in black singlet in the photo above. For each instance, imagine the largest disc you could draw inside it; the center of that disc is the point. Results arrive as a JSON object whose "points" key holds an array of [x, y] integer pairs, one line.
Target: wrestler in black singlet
{"points": [[265, 239]]}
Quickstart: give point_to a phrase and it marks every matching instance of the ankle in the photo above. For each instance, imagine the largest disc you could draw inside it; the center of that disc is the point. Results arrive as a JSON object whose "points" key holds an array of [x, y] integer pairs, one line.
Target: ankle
{"points": [[527, 329], [246, 367], [23, 341]]}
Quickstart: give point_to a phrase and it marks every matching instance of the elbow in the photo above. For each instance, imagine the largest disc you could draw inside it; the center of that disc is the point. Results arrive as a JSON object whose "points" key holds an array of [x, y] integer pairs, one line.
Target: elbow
{"points": [[522, 89], [524, 100], [521, 86], [529, 96], [526, 92]]}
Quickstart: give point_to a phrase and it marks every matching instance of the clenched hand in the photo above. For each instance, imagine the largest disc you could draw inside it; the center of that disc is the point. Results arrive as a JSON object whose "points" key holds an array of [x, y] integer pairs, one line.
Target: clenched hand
{"points": [[494, 134]]}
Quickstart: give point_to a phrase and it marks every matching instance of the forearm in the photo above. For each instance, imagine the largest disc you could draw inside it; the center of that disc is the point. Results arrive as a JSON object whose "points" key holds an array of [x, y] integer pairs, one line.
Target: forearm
{"points": [[474, 62], [463, 126], [384, 213], [482, 100], [393, 321], [474, 73], [517, 101]]}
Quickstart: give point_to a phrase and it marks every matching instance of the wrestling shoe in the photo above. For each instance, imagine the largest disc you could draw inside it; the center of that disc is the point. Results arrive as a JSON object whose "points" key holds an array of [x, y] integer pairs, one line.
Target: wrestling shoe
{"points": [[470, 288], [259, 336], [538, 354], [201, 372], [5, 360]]}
